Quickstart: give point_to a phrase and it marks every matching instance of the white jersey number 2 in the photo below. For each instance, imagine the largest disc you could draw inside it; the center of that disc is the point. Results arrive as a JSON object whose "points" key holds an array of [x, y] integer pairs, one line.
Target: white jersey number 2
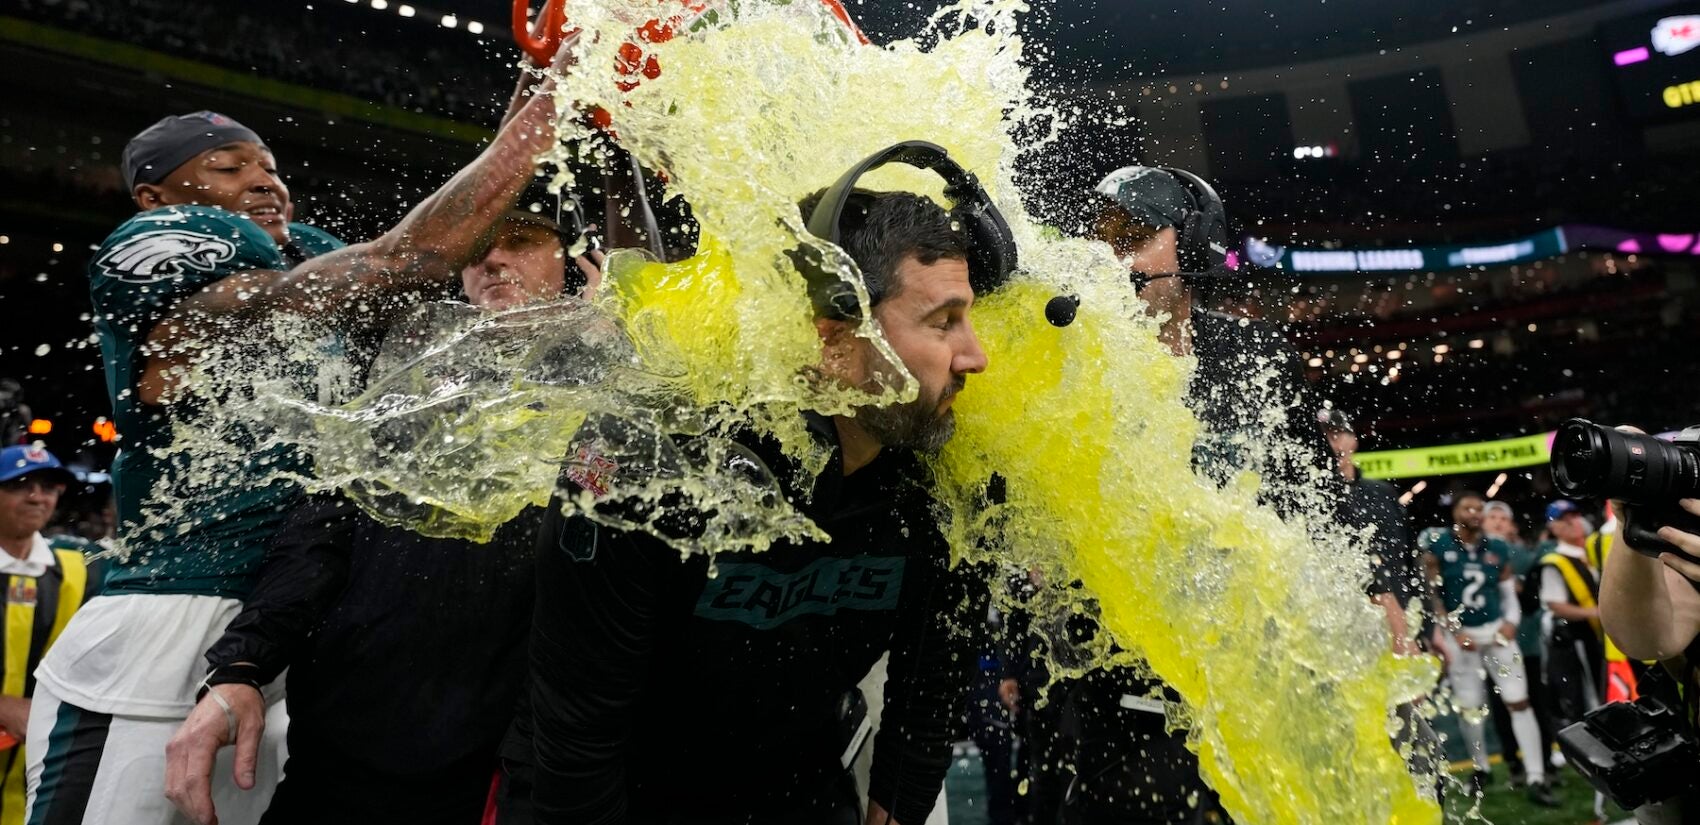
{"points": [[1473, 582]]}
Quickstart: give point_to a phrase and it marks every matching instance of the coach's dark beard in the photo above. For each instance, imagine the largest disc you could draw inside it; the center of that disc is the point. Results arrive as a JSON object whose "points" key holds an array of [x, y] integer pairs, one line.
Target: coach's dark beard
{"points": [[915, 425]]}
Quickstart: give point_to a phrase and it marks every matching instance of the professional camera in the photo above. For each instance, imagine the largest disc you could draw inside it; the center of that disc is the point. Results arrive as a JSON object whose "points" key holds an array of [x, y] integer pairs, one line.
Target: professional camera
{"points": [[1649, 475], [1634, 752]]}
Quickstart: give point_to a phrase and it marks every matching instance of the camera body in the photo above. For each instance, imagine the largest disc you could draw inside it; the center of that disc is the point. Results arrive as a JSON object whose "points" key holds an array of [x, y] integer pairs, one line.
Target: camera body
{"points": [[1648, 474], [1641, 525], [1634, 752]]}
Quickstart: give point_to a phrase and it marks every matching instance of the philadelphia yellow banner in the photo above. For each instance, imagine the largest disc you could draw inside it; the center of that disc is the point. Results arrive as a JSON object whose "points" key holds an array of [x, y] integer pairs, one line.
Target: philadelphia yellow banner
{"points": [[1452, 459]]}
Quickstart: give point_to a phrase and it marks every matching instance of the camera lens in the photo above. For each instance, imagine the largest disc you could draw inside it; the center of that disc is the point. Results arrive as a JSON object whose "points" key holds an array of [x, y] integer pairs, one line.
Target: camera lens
{"points": [[1579, 460], [1590, 461]]}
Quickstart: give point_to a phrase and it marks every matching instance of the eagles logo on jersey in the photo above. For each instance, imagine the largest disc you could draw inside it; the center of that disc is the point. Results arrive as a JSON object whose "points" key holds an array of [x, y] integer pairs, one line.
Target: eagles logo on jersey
{"points": [[167, 253]]}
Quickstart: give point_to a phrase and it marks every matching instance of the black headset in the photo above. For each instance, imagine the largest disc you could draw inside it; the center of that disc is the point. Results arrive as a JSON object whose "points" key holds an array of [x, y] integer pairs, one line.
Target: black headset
{"points": [[1203, 242], [991, 247]]}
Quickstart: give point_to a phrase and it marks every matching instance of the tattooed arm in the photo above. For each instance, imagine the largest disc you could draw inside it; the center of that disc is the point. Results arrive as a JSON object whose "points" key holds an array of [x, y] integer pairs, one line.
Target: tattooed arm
{"points": [[352, 286]]}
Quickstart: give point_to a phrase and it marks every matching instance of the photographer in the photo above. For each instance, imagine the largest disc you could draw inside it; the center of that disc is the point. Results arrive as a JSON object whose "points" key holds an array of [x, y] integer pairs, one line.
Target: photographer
{"points": [[1651, 606], [1643, 753]]}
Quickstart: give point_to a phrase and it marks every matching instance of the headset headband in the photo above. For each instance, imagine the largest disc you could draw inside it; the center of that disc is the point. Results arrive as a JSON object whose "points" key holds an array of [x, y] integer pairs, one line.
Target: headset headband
{"points": [[991, 247]]}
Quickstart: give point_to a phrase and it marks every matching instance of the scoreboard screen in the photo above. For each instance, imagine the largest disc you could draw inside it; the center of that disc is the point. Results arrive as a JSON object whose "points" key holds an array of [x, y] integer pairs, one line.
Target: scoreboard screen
{"points": [[1655, 59]]}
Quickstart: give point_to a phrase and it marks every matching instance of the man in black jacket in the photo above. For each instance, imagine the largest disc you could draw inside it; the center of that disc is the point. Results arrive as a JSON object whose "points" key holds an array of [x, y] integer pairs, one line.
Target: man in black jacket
{"points": [[1394, 578], [663, 692], [1249, 395], [1375, 504], [406, 655]]}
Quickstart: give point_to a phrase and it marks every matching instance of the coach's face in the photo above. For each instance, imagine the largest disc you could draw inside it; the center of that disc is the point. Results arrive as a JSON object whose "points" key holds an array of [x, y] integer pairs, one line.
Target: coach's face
{"points": [[925, 318], [240, 177]]}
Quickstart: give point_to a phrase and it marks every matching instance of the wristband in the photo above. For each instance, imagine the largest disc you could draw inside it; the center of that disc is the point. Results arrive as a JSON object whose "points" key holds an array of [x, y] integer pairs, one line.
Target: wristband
{"points": [[229, 715], [237, 674]]}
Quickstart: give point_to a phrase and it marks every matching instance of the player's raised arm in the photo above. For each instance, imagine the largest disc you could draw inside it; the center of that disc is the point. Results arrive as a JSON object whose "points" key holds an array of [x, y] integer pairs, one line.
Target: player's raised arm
{"points": [[430, 245]]}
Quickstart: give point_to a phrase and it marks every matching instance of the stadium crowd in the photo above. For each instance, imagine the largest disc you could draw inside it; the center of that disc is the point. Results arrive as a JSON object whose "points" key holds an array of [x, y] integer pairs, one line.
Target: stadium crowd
{"points": [[449, 73]]}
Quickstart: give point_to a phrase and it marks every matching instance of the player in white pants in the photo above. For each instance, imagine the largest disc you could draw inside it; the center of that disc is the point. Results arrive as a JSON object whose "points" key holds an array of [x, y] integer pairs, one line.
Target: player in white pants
{"points": [[1475, 595]]}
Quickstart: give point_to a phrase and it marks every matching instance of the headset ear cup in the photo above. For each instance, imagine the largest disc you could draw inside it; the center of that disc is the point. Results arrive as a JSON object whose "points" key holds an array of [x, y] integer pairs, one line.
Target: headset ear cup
{"points": [[1186, 249], [981, 259], [991, 249], [1206, 222]]}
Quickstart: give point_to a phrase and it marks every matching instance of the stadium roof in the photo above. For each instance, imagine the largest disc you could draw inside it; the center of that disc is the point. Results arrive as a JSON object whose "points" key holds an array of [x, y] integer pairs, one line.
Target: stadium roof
{"points": [[1109, 40]]}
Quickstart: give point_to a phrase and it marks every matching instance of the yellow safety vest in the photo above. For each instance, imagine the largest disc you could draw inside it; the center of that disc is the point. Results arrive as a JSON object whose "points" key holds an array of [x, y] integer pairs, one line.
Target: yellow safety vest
{"points": [[1598, 547], [37, 610]]}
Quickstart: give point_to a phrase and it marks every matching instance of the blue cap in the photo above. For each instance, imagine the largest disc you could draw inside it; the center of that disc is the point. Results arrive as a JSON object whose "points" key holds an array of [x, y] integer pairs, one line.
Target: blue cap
{"points": [[1561, 508], [22, 459]]}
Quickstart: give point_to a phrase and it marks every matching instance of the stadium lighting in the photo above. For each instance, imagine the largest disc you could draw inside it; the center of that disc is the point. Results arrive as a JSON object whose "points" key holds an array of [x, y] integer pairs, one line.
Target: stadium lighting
{"points": [[1497, 483], [475, 27], [380, 5], [1631, 56], [405, 10], [450, 21]]}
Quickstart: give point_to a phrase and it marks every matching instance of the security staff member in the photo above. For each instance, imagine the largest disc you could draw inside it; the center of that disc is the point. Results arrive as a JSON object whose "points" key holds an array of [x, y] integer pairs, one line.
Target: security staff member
{"points": [[47, 580], [1569, 588]]}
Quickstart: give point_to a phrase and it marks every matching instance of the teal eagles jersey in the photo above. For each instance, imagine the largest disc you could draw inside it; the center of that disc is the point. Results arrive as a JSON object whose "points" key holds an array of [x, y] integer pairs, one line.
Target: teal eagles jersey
{"points": [[213, 541], [1470, 577], [309, 242]]}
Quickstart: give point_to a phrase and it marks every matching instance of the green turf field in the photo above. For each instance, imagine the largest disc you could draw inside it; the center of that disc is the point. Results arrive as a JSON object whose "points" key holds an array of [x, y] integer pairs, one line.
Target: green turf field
{"points": [[965, 789], [1503, 806]]}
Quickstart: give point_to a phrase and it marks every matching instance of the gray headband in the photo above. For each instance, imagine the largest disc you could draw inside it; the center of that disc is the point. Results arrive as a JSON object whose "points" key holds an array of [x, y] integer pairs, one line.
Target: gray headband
{"points": [[176, 140]]}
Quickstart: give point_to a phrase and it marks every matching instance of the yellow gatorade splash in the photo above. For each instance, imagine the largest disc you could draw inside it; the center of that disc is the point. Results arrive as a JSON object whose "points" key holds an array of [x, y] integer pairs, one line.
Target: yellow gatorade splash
{"points": [[1260, 624], [1279, 657]]}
